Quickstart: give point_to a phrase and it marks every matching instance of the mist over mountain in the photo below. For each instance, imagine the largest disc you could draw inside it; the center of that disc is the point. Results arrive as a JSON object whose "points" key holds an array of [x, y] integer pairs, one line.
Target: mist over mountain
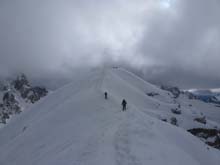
{"points": [[171, 41]]}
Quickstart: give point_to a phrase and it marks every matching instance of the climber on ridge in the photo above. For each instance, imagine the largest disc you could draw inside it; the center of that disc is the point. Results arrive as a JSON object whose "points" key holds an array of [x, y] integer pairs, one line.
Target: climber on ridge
{"points": [[124, 103], [106, 95]]}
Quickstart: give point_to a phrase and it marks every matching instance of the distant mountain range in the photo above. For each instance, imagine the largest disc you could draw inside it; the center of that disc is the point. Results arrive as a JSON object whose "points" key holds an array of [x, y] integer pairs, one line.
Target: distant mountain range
{"points": [[207, 95]]}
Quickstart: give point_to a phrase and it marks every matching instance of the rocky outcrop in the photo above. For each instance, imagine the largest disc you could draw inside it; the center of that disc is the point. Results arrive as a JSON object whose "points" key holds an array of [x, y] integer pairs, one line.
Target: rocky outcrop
{"points": [[201, 120], [27, 92], [176, 111], [21, 83], [152, 94], [174, 90], [18, 88], [35, 93], [173, 120], [9, 106], [209, 136], [190, 95], [10, 103]]}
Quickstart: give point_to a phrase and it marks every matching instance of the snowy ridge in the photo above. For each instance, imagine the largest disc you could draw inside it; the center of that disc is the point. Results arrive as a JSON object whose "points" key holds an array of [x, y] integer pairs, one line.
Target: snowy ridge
{"points": [[76, 125]]}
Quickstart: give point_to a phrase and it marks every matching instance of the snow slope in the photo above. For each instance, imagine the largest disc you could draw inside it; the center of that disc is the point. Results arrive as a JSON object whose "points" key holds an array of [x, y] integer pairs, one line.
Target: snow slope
{"points": [[76, 126]]}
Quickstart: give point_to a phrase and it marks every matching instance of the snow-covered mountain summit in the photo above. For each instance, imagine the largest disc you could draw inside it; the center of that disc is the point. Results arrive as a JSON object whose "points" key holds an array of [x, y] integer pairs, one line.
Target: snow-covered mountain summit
{"points": [[76, 125]]}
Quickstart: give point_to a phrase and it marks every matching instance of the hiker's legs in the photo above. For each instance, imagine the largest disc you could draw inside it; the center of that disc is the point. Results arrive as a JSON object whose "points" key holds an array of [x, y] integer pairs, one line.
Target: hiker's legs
{"points": [[124, 108]]}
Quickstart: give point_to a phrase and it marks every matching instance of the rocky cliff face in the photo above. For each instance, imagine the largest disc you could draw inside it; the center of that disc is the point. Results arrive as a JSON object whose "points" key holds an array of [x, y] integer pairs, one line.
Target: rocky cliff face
{"points": [[28, 92], [14, 93], [174, 90], [209, 136]]}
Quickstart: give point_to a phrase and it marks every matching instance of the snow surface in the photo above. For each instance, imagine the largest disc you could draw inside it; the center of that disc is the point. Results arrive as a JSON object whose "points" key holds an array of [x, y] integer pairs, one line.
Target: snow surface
{"points": [[75, 125]]}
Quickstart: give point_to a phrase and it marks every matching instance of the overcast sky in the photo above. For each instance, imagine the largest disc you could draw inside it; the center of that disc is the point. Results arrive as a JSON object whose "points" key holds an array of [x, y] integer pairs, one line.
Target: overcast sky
{"points": [[169, 41]]}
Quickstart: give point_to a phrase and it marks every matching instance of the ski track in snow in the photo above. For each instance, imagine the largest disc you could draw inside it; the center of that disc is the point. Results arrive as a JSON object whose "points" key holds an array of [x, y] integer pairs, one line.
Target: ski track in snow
{"points": [[119, 130], [124, 155]]}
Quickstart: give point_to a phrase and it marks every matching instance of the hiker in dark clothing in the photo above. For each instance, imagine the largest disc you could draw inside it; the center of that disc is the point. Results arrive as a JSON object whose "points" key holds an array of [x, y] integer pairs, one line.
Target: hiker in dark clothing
{"points": [[106, 95], [124, 103]]}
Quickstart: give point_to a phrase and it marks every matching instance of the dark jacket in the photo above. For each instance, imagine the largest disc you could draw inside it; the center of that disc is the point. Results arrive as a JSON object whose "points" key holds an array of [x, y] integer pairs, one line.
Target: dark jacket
{"points": [[123, 102]]}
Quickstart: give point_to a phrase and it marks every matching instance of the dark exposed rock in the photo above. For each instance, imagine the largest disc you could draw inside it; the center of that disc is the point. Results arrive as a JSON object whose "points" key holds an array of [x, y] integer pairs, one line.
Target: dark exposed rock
{"points": [[173, 121], [8, 99], [28, 92], [9, 106], [190, 95], [174, 90], [10, 103], [21, 82], [216, 143], [2, 119], [201, 120], [176, 111], [3, 116], [34, 94], [3, 86], [165, 120], [21, 86], [206, 135], [152, 94]]}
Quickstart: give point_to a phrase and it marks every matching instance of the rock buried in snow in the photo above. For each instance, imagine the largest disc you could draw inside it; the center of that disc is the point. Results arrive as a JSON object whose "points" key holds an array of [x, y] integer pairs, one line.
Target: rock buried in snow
{"points": [[174, 90], [152, 94], [201, 120], [173, 121], [165, 120], [176, 111]]}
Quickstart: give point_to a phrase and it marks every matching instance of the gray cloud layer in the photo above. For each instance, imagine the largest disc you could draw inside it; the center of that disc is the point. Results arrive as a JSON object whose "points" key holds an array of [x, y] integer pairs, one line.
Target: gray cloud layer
{"points": [[170, 41]]}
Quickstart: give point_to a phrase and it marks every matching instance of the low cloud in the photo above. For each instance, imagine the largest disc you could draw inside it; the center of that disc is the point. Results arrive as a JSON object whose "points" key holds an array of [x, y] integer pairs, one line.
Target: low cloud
{"points": [[167, 41]]}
